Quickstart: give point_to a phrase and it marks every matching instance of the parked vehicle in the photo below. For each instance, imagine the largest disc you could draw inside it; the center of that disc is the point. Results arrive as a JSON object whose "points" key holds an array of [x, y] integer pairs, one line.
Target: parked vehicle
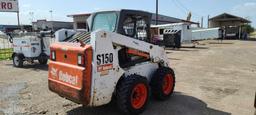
{"points": [[172, 35], [30, 47], [114, 61]]}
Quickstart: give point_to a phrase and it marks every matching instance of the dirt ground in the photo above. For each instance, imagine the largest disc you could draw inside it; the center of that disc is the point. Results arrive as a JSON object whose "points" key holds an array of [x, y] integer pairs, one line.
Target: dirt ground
{"points": [[212, 79]]}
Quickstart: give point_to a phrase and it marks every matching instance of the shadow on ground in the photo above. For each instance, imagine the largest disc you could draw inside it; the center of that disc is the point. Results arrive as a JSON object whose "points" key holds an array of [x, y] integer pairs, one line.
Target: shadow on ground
{"points": [[250, 39], [195, 47], [186, 49], [181, 49], [220, 43], [178, 104], [34, 66], [174, 59]]}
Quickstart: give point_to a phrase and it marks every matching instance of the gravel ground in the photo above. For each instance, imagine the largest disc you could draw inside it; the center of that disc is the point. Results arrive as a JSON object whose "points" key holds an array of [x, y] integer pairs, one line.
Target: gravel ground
{"points": [[212, 79]]}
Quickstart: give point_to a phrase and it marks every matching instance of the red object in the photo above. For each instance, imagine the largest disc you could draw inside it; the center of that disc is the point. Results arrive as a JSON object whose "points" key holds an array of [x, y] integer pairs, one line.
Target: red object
{"points": [[6, 5], [138, 53], [66, 77], [139, 96], [167, 84]]}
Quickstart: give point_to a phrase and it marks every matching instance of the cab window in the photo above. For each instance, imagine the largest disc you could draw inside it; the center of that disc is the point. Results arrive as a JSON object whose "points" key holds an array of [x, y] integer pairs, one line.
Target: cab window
{"points": [[105, 21], [136, 27]]}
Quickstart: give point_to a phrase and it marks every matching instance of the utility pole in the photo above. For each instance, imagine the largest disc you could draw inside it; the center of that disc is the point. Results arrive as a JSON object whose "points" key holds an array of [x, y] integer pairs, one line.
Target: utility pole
{"points": [[51, 20], [18, 18], [156, 12], [31, 17], [51, 14], [202, 22], [208, 21]]}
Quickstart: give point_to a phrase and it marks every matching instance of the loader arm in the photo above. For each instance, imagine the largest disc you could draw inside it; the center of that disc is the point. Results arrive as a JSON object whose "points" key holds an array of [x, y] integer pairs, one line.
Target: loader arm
{"points": [[156, 53]]}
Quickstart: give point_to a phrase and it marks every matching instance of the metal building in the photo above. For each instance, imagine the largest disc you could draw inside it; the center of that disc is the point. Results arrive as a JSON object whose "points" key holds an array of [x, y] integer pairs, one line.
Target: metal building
{"points": [[11, 28], [51, 25], [231, 24], [80, 20]]}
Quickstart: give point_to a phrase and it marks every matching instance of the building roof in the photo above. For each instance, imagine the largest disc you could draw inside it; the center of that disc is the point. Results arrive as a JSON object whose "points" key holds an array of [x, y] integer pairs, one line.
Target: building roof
{"points": [[168, 19], [162, 18], [168, 25], [82, 14], [44, 20], [229, 17]]}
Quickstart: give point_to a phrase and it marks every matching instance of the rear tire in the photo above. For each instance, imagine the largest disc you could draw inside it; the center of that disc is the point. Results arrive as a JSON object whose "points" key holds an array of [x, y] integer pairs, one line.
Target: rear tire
{"points": [[43, 61], [132, 94], [163, 83], [17, 60]]}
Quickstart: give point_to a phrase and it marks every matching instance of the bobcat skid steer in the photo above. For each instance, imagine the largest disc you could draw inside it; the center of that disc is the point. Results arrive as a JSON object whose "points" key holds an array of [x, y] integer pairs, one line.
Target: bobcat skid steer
{"points": [[115, 60]]}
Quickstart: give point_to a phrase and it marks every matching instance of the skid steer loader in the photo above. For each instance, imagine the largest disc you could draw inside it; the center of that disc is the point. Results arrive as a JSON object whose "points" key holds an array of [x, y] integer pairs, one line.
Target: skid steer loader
{"points": [[114, 61]]}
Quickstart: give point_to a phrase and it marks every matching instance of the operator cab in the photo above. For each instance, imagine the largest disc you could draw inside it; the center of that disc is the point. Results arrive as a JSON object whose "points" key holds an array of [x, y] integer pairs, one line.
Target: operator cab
{"points": [[131, 23]]}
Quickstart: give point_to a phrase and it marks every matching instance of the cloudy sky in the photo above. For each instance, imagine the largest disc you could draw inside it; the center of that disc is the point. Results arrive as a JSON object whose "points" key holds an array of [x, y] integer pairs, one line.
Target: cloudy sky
{"points": [[40, 9]]}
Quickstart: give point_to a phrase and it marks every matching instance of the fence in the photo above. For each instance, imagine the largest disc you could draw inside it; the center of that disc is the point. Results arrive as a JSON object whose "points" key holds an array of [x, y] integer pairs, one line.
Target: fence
{"points": [[5, 48]]}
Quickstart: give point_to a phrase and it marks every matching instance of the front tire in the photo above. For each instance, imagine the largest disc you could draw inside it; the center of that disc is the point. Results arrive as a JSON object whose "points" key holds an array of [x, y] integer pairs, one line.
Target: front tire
{"points": [[132, 94], [17, 60], [163, 83], [43, 59]]}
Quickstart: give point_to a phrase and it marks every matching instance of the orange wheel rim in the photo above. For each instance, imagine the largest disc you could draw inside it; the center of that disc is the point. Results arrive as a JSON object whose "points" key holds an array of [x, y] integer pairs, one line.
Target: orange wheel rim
{"points": [[167, 84], [139, 96]]}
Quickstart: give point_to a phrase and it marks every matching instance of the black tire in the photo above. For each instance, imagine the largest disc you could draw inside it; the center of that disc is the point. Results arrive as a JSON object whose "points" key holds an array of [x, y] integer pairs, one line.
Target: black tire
{"points": [[43, 59], [17, 60], [126, 95], [158, 84], [255, 102]]}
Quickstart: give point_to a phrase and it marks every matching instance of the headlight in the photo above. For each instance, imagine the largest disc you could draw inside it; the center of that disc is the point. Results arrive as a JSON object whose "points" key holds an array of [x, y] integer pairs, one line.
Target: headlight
{"points": [[53, 55], [80, 60]]}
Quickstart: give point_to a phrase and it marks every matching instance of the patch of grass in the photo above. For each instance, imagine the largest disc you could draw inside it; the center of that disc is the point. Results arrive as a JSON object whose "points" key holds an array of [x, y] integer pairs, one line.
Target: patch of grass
{"points": [[6, 53]]}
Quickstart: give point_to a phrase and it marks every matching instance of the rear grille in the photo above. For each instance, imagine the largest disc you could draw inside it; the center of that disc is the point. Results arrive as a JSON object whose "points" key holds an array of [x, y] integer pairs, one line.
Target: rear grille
{"points": [[84, 36]]}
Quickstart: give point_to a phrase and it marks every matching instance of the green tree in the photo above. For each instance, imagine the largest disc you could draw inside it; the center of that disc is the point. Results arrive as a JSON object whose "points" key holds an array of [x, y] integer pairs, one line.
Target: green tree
{"points": [[247, 28]]}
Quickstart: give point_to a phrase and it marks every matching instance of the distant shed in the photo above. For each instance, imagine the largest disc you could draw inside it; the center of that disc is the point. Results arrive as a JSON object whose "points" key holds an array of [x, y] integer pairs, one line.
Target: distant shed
{"points": [[231, 24], [80, 20]]}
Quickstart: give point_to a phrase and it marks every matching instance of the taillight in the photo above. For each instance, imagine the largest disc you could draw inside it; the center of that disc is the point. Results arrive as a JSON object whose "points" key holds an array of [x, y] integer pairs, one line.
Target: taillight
{"points": [[53, 55], [80, 60]]}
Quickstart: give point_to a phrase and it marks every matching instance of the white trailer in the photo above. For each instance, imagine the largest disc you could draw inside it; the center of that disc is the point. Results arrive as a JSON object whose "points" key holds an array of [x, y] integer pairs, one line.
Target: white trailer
{"points": [[30, 48], [204, 34], [36, 46], [172, 34]]}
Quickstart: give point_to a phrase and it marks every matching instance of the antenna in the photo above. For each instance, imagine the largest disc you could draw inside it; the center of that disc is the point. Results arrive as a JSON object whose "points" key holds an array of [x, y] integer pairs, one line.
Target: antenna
{"points": [[189, 16]]}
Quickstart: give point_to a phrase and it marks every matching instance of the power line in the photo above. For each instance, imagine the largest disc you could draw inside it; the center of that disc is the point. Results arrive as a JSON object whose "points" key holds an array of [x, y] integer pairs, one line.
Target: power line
{"points": [[181, 9], [182, 5], [185, 8]]}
